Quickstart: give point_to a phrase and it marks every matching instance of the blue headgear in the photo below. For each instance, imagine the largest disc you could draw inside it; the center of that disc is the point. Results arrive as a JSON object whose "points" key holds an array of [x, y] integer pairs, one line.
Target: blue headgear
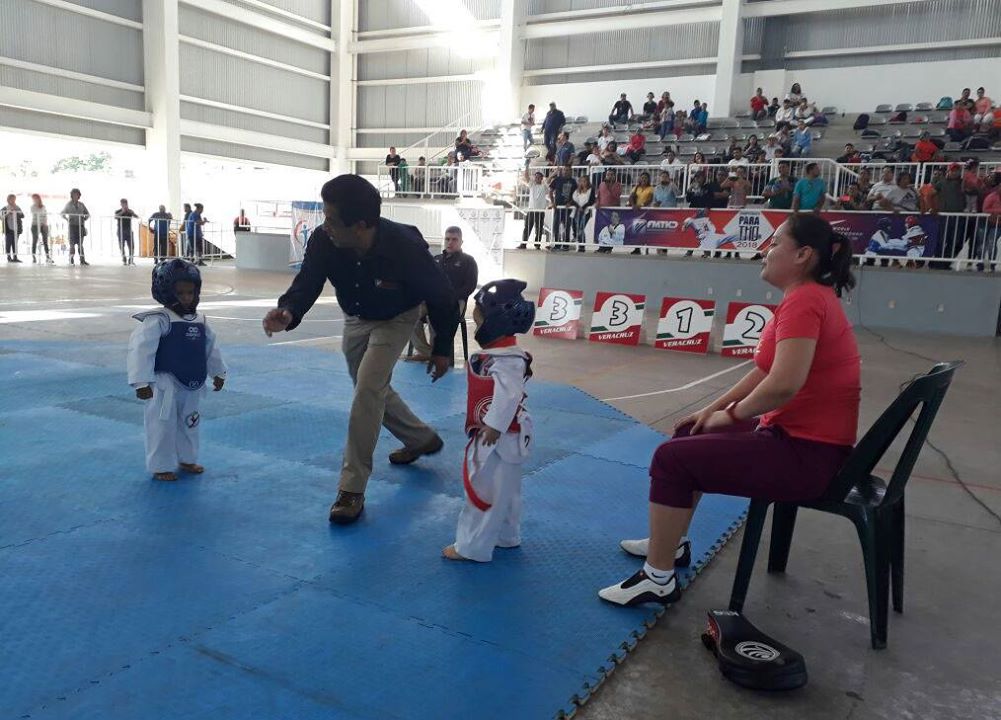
{"points": [[883, 224], [167, 274], [504, 310]]}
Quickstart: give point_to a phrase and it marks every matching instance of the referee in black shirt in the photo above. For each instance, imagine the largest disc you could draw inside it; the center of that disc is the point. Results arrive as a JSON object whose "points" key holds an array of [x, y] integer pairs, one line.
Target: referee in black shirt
{"points": [[381, 272]]}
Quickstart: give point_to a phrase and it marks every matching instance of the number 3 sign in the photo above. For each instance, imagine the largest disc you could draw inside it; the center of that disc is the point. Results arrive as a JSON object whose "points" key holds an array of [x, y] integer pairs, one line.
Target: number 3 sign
{"points": [[557, 313], [744, 323], [617, 318], [685, 324]]}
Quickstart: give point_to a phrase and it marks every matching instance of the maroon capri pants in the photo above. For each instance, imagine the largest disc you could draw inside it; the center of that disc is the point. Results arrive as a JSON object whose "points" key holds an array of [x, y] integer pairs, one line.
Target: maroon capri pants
{"points": [[746, 461]]}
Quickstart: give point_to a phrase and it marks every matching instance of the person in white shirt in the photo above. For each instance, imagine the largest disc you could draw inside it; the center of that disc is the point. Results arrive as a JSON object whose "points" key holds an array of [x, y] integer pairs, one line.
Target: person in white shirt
{"points": [[606, 138], [882, 189], [671, 164], [771, 145], [785, 115], [538, 200], [738, 158], [795, 94], [39, 226], [613, 234], [583, 199], [527, 123]]}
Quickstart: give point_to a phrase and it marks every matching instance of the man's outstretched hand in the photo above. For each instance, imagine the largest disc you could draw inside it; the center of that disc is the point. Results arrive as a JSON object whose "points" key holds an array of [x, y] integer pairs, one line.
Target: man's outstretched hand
{"points": [[438, 366], [276, 321]]}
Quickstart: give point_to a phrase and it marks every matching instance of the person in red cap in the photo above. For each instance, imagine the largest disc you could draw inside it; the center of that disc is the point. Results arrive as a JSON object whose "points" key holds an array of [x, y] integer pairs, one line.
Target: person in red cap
{"points": [[498, 425]]}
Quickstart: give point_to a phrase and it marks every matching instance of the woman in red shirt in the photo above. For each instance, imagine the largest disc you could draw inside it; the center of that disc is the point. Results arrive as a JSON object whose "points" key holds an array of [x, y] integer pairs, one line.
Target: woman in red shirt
{"points": [[783, 431]]}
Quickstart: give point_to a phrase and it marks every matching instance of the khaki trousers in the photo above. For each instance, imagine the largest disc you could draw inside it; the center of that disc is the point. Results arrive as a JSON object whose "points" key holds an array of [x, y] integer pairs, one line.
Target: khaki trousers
{"points": [[422, 342], [371, 348]]}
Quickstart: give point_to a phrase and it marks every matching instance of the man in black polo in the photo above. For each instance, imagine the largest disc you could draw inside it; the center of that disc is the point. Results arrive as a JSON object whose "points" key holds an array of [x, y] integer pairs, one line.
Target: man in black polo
{"points": [[381, 272], [462, 273]]}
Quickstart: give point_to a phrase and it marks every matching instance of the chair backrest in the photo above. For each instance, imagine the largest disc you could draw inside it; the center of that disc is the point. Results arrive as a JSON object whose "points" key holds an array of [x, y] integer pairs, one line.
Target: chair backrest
{"points": [[884, 108], [928, 391]]}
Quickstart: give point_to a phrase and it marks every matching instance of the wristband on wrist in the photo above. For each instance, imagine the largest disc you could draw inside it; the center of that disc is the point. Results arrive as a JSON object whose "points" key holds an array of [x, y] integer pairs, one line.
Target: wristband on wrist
{"points": [[731, 410]]}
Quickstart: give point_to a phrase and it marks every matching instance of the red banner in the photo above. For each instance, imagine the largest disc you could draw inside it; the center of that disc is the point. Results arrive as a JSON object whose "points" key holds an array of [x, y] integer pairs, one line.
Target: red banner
{"points": [[744, 323], [557, 313], [617, 318], [691, 228], [685, 324]]}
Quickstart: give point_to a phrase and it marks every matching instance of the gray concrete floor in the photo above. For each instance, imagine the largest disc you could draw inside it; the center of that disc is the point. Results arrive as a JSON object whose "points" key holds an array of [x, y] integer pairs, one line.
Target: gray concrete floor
{"points": [[943, 659]]}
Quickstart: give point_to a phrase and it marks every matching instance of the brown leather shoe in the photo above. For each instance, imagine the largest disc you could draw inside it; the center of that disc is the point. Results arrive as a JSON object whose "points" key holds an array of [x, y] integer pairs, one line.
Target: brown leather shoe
{"points": [[405, 456], [347, 508]]}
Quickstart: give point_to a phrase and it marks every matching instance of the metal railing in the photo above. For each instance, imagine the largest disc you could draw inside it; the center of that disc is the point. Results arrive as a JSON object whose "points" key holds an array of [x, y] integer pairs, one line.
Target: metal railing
{"points": [[462, 180]]}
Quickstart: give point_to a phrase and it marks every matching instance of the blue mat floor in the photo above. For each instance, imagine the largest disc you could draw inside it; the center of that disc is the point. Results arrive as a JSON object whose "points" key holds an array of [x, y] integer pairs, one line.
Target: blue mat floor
{"points": [[230, 596]]}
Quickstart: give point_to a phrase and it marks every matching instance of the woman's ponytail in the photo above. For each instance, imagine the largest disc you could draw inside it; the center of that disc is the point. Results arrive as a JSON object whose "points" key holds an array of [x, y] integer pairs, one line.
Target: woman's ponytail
{"points": [[834, 251]]}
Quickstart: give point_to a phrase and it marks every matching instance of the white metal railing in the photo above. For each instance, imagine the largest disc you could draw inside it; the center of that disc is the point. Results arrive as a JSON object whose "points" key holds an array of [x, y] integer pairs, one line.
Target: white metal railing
{"points": [[461, 180]]}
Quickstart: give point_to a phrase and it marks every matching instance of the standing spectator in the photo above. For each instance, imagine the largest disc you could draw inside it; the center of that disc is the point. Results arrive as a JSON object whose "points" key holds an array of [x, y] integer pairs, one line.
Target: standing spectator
{"points": [[552, 125], [535, 215], [564, 150], [75, 214], [636, 148], [583, 199], [700, 191], [241, 223], [795, 94], [527, 123], [123, 227], [622, 110], [667, 120], [561, 190], [973, 185], [925, 150], [393, 163], [785, 115], [595, 171], [606, 138], [649, 109], [983, 118], [960, 124], [927, 195], [883, 188], [850, 156], [703, 117], [802, 141], [738, 186], [899, 198], [39, 226], [159, 225], [759, 105], [193, 227], [462, 274], [610, 195], [665, 195], [641, 197], [810, 192], [985, 246], [779, 190], [13, 226], [949, 190], [183, 249]]}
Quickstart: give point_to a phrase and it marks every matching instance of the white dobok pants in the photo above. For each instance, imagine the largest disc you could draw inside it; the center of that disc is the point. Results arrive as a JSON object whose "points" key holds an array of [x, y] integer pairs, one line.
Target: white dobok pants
{"points": [[172, 420]]}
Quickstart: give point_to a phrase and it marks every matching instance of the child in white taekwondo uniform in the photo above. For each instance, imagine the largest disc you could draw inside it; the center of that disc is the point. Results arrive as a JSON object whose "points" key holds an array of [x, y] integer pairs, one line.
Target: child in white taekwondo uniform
{"points": [[498, 424], [171, 354]]}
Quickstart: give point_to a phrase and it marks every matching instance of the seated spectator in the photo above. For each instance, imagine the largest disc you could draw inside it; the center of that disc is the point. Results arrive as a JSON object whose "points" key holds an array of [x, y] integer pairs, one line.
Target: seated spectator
{"points": [[752, 147], [700, 190], [584, 154], [649, 109], [699, 159], [611, 155], [605, 138], [850, 156], [665, 98], [965, 100], [665, 195], [802, 141], [795, 94], [885, 186], [972, 185], [692, 123], [671, 164], [960, 124], [949, 195], [771, 145], [805, 112], [622, 110], [810, 192], [722, 195], [636, 148], [899, 198], [983, 117], [853, 199], [564, 149], [680, 123], [465, 146], [759, 105], [737, 158], [738, 186], [928, 195], [773, 107], [778, 191], [784, 137], [609, 191], [926, 150], [785, 115], [667, 120], [864, 182]]}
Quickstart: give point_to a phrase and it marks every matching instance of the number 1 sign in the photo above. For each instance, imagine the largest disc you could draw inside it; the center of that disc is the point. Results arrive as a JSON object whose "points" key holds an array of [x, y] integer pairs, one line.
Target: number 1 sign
{"points": [[617, 318], [744, 323], [685, 324]]}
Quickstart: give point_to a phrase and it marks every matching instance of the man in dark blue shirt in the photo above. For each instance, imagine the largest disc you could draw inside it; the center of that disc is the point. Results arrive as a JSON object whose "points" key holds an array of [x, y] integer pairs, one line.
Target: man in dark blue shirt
{"points": [[552, 126], [381, 272]]}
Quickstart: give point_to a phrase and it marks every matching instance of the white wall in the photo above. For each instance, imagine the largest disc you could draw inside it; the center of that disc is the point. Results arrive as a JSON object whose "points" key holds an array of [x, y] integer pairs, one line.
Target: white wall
{"points": [[595, 99]]}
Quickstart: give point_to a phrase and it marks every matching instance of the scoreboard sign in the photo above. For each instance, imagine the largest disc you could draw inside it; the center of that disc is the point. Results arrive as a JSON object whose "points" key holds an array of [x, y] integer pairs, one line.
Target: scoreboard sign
{"points": [[744, 323], [557, 313], [617, 318], [685, 324]]}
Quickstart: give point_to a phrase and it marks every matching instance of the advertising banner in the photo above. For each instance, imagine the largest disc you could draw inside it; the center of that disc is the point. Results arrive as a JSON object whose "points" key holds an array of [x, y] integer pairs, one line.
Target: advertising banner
{"points": [[557, 314], [744, 323], [888, 234], [685, 324], [306, 217], [617, 318]]}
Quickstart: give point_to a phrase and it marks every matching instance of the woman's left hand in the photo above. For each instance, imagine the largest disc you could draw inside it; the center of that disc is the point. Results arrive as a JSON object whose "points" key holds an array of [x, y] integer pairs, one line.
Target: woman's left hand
{"points": [[717, 421]]}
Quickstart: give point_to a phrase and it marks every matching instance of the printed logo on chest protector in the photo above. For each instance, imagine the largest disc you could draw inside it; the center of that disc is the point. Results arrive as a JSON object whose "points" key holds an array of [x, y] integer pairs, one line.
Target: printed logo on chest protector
{"points": [[192, 420], [192, 333]]}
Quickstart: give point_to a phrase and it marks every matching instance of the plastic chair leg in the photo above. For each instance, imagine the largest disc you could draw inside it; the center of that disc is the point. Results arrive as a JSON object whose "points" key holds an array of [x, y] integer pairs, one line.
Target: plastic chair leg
{"points": [[748, 552], [783, 524], [873, 558], [897, 557]]}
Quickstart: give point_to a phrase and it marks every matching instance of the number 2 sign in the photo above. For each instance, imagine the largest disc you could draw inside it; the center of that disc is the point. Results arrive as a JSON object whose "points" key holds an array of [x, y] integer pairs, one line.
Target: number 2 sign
{"points": [[685, 324], [617, 318], [744, 323]]}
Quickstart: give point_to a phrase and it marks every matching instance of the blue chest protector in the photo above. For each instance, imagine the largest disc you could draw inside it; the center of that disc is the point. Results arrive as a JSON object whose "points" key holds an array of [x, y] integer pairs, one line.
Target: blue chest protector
{"points": [[183, 353]]}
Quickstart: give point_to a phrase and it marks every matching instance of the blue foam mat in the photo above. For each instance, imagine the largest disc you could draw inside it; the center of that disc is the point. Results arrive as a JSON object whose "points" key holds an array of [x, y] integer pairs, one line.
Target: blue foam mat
{"points": [[229, 595]]}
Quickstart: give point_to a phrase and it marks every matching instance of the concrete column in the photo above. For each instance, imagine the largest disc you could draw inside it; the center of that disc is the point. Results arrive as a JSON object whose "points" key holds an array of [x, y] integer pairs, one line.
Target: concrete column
{"points": [[502, 95], [731, 49], [344, 15], [163, 89]]}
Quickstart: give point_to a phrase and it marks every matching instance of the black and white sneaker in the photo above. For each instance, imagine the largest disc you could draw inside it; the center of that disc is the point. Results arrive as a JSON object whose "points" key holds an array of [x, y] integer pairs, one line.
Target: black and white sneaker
{"points": [[640, 589], [640, 548]]}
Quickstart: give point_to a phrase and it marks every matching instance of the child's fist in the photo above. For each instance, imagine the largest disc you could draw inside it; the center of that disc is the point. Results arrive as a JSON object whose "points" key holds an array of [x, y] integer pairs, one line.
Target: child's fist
{"points": [[144, 393], [489, 435], [217, 383]]}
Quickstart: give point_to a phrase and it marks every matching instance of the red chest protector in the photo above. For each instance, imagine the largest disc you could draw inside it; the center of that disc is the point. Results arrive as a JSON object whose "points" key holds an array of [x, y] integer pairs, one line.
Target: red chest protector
{"points": [[481, 391]]}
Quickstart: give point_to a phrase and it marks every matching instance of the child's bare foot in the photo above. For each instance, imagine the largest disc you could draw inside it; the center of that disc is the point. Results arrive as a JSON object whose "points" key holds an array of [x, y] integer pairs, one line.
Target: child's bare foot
{"points": [[192, 468], [167, 476], [450, 553]]}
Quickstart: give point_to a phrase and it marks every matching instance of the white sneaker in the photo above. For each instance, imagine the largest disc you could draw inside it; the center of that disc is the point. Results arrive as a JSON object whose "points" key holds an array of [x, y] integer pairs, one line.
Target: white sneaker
{"points": [[640, 548], [640, 589]]}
